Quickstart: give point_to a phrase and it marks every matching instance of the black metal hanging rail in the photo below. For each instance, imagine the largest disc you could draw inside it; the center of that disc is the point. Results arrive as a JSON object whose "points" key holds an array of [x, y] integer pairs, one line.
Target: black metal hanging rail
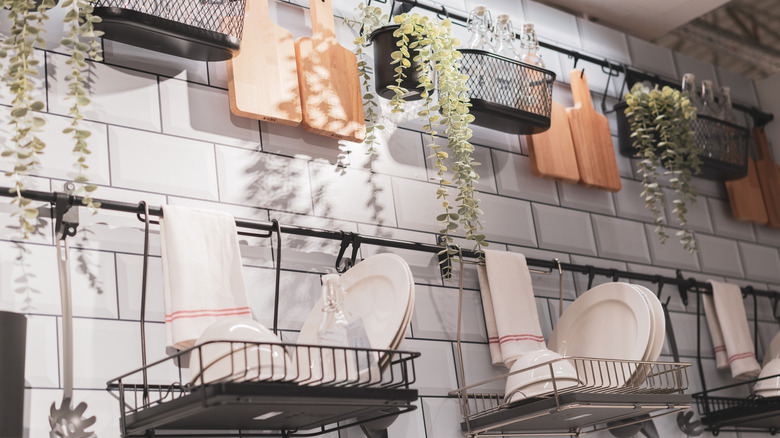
{"points": [[760, 118], [684, 285]]}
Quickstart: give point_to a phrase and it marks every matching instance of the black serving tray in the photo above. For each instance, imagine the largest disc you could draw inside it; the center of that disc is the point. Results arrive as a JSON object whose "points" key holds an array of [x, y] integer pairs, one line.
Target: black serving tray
{"points": [[252, 406], [573, 411]]}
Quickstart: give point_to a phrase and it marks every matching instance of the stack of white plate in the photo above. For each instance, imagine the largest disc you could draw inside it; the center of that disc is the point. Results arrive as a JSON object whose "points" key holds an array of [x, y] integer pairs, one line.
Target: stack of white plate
{"points": [[380, 292], [770, 373], [613, 321]]}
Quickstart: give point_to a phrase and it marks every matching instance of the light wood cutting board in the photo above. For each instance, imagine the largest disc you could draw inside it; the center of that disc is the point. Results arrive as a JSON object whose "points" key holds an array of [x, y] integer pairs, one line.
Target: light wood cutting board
{"points": [[263, 78], [747, 202], [552, 151], [331, 96], [592, 139], [768, 177]]}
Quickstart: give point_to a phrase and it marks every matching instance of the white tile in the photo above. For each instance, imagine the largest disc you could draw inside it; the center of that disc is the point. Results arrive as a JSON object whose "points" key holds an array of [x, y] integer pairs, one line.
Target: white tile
{"points": [[424, 265], [583, 198], [629, 202], [507, 220], [604, 41], [399, 152], [708, 187], [760, 262], [742, 89], [477, 363], [306, 253], [38, 80], [495, 139], [719, 256], [717, 378], [41, 361], [352, 195], [416, 205], [564, 230], [724, 223], [119, 96], [697, 217], [651, 57], [553, 24], [129, 271], [203, 113], [263, 180], [670, 254], [547, 285], [177, 166], [218, 76], [436, 314], [766, 332], [435, 369], [294, 141], [442, 418], [514, 178], [702, 70], [93, 283], [685, 331], [620, 239], [486, 182], [151, 61], [581, 280], [767, 236]]}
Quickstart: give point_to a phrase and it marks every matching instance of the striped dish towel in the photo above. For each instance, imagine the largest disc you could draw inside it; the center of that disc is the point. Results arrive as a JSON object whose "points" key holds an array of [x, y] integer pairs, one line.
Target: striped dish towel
{"points": [[202, 277], [510, 309]]}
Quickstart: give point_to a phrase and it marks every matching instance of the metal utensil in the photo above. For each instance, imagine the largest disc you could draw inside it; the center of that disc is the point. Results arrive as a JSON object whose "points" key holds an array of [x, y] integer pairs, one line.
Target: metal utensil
{"points": [[67, 422]]}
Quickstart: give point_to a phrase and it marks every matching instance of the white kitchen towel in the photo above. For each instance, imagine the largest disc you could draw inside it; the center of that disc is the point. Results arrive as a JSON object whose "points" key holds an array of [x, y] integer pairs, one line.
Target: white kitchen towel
{"points": [[202, 277], [510, 309], [731, 317], [721, 358]]}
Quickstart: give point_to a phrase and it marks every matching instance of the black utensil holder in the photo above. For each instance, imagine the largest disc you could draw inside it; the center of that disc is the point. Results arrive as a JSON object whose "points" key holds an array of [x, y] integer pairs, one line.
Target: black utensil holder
{"points": [[13, 336], [506, 95], [724, 146], [196, 29]]}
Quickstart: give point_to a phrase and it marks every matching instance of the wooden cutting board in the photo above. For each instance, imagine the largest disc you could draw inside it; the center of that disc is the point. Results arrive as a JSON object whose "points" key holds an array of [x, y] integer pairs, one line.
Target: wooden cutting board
{"points": [[331, 96], [768, 177], [263, 78], [592, 139], [747, 202], [552, 151]]}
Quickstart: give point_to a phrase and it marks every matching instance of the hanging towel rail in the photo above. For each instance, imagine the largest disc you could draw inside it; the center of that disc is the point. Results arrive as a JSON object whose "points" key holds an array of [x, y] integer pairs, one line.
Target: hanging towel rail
{"points": [[684, 285]]}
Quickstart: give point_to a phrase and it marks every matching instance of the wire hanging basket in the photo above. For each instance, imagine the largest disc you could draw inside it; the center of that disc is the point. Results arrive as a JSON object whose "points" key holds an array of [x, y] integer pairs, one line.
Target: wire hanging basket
{"points": [[204, 30]]}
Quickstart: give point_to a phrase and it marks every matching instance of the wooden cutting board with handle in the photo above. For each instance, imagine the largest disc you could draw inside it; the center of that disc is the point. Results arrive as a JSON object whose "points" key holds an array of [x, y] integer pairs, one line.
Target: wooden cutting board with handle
{"points": [[747, 202], [552, 151], [263, 78], [331, 95], [592, 139], [768, 177]]}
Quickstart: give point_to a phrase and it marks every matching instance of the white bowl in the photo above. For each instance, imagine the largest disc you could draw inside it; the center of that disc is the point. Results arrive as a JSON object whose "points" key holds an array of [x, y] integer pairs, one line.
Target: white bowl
{"points": [[771, 370], [536, 365], [229, 353], [540, 388], [768, 392]]}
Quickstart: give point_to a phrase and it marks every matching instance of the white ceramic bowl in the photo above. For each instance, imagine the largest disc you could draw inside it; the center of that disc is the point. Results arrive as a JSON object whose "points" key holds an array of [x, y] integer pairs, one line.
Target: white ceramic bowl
{"points": [[539, 388], [229, 353], [772, 370], [536, 380], [768, 392]]}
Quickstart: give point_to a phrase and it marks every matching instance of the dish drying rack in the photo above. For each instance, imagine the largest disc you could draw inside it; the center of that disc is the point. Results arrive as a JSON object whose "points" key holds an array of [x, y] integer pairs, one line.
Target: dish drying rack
{"points": [[606, 391]]}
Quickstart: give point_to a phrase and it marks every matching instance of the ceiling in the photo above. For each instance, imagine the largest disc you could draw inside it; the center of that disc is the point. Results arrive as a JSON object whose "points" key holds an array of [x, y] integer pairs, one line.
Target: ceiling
{"points": [[742, 36]]}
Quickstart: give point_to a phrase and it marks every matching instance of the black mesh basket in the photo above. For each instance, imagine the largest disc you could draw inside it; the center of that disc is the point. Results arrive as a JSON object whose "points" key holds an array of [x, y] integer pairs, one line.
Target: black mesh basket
{"points": [[205, 30], [508, 95], [724, 145]]}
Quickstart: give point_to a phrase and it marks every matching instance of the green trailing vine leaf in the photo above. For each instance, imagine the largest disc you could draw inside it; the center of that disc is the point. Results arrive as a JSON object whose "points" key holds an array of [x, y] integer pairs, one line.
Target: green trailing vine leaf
{"points": [[661, 133]]}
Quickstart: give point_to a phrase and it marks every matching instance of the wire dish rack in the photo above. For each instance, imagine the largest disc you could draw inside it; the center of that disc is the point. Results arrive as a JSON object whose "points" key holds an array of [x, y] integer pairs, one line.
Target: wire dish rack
{"points": [[606, 391], [255, 388], [721, 410], [205, 30], [507, 95]]}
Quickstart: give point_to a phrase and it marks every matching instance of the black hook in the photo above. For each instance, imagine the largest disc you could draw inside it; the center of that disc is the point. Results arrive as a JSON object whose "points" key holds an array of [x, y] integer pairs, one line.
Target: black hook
{"points": [[610, 73], [66, 215], [683, 286], [347, 239], [591, 275], [615, 275], [660, 281]]}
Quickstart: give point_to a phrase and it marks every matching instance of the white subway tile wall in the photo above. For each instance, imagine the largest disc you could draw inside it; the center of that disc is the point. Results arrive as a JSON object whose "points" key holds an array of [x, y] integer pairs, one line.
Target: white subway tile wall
{"points": [[162, 132]]}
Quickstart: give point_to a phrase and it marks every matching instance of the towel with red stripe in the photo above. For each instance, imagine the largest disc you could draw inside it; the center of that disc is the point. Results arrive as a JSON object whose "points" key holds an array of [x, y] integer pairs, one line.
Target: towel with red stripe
{"points": [[202, 277], [510, 309], [729, 330]]}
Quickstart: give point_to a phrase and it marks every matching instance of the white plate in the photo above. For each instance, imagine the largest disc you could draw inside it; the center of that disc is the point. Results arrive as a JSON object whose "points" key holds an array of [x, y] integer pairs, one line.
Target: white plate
{"points": [[657, 336], [610, 321], [377, 290], [772, 350]]}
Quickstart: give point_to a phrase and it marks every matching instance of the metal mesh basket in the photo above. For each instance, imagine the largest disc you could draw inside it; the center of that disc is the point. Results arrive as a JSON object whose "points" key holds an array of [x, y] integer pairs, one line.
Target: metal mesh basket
{"points": [[739, 406], [508, 95], [207, 30]]}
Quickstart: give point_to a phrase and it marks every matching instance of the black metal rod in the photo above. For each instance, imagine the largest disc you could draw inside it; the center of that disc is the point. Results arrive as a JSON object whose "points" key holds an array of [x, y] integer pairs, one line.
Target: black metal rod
{"points": [[694, 285], [760, 118]]}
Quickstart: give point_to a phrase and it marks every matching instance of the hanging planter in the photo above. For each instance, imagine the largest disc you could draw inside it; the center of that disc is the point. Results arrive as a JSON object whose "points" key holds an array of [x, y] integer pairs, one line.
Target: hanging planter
{"points": [[723, 145], [197, 29]]}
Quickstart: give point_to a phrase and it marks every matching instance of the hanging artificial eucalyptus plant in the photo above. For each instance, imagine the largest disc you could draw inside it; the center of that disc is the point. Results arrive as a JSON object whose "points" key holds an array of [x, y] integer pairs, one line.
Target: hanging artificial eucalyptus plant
{"points": [[660, 121], [426, 49], [19, 70]]}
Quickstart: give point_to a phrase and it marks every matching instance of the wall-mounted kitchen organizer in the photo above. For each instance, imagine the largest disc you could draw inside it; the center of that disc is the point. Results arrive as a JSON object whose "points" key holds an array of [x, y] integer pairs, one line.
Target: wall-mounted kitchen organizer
{"points": [[158, 395], [724, 146], [201, 30]]}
